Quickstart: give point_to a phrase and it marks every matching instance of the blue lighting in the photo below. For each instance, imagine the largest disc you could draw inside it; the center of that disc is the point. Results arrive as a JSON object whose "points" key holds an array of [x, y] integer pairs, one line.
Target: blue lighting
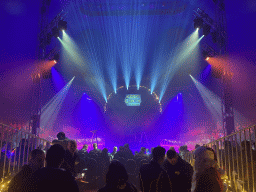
{"points": [[57, 79], [87, 113], [206, 72], [172, 117]]}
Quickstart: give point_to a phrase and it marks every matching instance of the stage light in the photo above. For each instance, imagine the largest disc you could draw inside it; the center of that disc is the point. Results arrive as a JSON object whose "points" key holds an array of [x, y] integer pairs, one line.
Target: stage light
{"points": [[205, 55], [207, 58], [62, 25], [56, 58], [198, 23], [55, 32]]}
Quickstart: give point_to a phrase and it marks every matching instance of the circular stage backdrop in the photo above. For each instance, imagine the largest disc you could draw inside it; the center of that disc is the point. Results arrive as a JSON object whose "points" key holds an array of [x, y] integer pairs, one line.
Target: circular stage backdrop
{"points": [[132, 111]]}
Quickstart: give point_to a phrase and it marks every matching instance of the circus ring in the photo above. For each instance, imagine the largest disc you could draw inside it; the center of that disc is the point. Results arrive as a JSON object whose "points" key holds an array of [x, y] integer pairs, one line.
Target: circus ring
{"points": [[129, 121]]}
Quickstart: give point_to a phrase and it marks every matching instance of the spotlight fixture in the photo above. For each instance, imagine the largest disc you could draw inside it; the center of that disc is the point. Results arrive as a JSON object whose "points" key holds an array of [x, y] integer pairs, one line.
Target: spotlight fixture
{"points": [[62, 25], [198, 23], [208, 52], [55, 32], [205, 55], [56, 57]]}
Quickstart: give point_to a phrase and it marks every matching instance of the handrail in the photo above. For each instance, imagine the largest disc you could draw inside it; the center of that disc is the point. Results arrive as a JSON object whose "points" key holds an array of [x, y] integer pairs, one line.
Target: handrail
{"points": [[235, 133], [28, 133]]}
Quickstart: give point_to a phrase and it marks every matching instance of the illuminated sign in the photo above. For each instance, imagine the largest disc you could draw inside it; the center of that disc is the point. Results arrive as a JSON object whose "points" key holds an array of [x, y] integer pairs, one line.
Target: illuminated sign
{"points": [[132, 100]]}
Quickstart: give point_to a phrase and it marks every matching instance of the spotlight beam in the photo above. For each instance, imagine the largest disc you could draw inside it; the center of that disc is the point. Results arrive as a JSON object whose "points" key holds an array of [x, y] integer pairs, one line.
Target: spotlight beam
{"points": [[177, 58], [51, 110], [213, 104]]}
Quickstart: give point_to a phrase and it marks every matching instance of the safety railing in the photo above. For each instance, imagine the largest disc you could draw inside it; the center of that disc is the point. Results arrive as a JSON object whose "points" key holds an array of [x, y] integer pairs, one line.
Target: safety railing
{"points": [[15, 146], [236, 155]]}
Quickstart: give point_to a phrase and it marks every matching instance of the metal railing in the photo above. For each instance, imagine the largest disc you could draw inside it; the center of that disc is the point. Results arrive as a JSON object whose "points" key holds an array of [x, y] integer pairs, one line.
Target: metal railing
{"points": [[236, 154], [15, 146]]}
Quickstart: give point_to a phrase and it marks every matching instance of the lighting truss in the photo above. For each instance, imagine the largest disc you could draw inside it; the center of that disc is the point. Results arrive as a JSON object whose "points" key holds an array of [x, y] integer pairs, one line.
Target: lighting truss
{"points": [[199, 13], [209, 50], [44, 34]]}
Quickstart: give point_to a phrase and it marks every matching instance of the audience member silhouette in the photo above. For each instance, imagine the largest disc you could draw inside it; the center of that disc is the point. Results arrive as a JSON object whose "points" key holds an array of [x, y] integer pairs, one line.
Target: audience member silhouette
{"points": [[127, 152], [197, 145], [172, 148], [116, 179], [206, 176], [132, 172], [151, 155], [23, 177], [152, 176], [83, 153], [71, 158], [104, 155], [103, 164], [119, 153], [51, 178], [95, 152], [179, 171], [62, 140], [142, 152], [184, 153], [114, 152]]}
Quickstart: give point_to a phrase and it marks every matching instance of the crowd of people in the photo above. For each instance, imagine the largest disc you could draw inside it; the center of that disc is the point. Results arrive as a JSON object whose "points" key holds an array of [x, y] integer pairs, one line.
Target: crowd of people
{"points": [[69, 169]]}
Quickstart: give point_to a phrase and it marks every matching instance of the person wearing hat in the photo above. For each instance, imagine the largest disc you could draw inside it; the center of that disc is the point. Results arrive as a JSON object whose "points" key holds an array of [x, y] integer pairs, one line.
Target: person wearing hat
{"points": [[207, 176], [179, 171]]}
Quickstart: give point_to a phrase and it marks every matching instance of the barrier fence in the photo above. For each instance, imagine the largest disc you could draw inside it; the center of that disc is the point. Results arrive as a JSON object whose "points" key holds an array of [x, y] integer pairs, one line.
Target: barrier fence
{"points": [[15, 146], [236, 155]]}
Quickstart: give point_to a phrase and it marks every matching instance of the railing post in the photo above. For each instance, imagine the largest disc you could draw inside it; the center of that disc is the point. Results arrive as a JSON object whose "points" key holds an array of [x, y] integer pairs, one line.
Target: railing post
{"points": [[252, 161], [233, 160], [237, 159], [19, 160], [241, 152], [247, 164], [11, 144], [15, 153], [218, 152], [6, 143], [1, 141], [221, 154]]}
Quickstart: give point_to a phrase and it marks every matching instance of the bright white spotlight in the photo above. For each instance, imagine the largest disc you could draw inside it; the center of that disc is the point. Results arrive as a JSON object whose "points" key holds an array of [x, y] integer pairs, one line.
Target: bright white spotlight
{"points": [[207, 58]]}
